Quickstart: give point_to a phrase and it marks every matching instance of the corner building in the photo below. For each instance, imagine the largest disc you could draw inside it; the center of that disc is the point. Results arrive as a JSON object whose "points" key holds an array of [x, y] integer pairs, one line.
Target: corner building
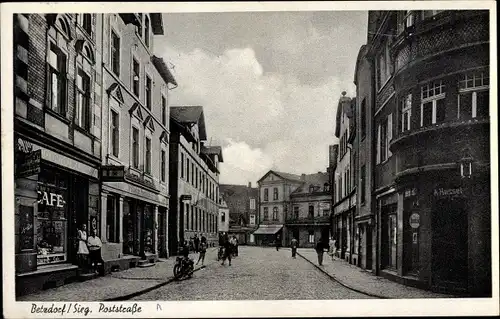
{"points": [[194, 179], [432, 168], [135, 126], [57, 135]]}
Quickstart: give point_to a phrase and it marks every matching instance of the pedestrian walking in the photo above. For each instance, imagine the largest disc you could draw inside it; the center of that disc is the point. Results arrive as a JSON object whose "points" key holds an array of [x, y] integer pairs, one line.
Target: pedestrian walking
{"points": [[294, 245], [278, 242], [203, 250], [94, 244], [332, 248], [196, 243], [236, 246], [203, 238], [83, 251], [227, 250], [320, 250]]}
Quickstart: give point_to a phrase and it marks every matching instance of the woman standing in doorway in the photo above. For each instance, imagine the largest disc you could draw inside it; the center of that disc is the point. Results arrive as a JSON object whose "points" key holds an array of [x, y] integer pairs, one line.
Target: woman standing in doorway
{"points": [[83, 251]]}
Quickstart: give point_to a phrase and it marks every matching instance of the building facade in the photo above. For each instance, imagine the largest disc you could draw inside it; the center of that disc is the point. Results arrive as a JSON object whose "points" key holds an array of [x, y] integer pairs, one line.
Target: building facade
{"points": [[431, 172], [57, 130], [344, 199], [308, 217], [194, 178], [135, 89], [223, 218], [242, 203]]}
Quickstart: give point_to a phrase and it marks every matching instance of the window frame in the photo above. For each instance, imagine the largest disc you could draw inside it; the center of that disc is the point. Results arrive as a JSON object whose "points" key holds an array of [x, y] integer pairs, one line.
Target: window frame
{"points": [[163, 110], [148, 149], [266, 213], [275, 213], [275, 193], [83, 111], [136, 87], [136, 147], [115, 140], [473, 90], [148, 92], [406, 104], [61, 74], [115, 53], [432, 99], [163, 165], [266, 194]]}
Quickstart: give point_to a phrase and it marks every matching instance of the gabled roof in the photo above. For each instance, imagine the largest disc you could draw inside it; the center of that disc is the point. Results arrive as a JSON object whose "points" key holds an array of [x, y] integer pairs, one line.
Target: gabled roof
{"points": [[213, 150], [317, 180], [162, 68], [287, 176], [343, 107], [190, 115]]}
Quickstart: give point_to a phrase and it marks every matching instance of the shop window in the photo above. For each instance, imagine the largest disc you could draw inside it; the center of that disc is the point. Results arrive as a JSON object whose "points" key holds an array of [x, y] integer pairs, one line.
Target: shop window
{"points": [[57, 80], [148, 155], [311, 237], [115, 53], [112, 219], [432, 109], [406, 113], [311, 211], [473, 98], [149, 90], [275, 193], [275, 213], [136, 77], [266, 194], [135, 147], [115, 133], [163, 166], [82, 114], [296, 212], [51, 220], [266, 213]]}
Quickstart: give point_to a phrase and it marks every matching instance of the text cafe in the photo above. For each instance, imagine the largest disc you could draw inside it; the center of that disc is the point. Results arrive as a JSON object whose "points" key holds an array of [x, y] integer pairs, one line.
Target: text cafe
{"points": [[52, 202]]}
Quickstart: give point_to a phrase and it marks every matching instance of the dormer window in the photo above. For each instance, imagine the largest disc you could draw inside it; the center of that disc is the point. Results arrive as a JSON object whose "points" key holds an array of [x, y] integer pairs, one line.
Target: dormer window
{"points": [[311, 189]]}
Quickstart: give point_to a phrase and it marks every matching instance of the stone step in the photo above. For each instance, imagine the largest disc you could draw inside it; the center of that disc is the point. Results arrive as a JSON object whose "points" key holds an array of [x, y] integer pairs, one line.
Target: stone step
{"points": [[145, 265], [87, 276]]}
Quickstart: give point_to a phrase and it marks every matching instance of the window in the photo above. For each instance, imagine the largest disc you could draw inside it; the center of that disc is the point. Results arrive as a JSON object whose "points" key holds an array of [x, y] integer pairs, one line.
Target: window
{"points": [[429, 13], [87, 23], [433, 109], [311, 237], [406, 113], [135, 147], [115, 53], [139, 25], [115, 133], [82, 116], [111, 220], [384, 67], [363, 118], [187, 170], [363, 183], [223, 217], [474, 98], [275, 213], [149, 88], [195, 183], [311, 211], [326, 187], [296, 212], [192, 174], [340, 188], [148, 155], [326, 212], [187, 217], [266, 194], [136, 73], [195, 209], [383, 139], [163, 110], [57, 80], [266, 213], [252, 203], [275, 193], [182, 165], [163, 166], [146, 30]]}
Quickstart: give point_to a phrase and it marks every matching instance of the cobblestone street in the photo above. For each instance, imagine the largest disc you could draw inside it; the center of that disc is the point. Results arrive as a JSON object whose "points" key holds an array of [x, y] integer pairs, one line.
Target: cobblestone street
{"points": [[256, 274]]}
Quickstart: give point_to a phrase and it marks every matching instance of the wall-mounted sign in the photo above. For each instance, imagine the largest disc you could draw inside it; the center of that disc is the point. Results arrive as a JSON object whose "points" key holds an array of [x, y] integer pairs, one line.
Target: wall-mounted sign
{"points": [[28, 163], [438, 192], [50, 199], [410, 192], [112, 173], [24, 146], [186, 197], [415, 220]]}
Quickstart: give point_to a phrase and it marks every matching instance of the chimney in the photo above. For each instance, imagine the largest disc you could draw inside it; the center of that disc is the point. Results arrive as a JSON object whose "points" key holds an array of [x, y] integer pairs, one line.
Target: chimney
{"points": [[303, 177], [249, 184]]}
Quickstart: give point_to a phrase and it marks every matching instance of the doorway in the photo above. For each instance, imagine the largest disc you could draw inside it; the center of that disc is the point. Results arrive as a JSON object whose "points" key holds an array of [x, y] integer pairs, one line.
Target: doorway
{"points": [[449, 243], [369, 247], [162, 216]]}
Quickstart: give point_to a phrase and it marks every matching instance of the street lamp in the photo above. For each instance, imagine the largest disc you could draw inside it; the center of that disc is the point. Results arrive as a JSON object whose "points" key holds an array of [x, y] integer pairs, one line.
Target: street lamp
{"points": [[466, 165]]}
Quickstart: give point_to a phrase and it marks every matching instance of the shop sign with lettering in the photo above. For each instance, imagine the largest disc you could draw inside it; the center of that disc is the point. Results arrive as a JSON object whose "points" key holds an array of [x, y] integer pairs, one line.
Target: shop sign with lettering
{"points": [[28, 163], [448, 192], [50, 199], [415, 220], [410, 192], [112, 173]]}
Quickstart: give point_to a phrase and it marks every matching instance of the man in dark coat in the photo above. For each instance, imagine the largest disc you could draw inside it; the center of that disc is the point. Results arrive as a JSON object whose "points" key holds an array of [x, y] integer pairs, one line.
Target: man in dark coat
{"points": [[320, 250], [196, 243], [294, 245]]}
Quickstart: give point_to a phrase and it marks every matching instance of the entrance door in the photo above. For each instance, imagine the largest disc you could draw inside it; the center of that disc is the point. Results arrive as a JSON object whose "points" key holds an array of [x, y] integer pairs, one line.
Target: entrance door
{"points": [[296, 236], [368, 247], [449, 243]]}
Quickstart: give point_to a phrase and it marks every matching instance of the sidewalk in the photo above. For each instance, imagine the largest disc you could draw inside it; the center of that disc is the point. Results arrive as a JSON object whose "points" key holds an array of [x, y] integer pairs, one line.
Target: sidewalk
{"points": [[118, 284], [364, 281]]}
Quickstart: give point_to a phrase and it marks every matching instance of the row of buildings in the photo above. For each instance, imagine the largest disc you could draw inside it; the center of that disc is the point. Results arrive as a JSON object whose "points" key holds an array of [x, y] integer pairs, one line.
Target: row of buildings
{"points": [[411, 173], [98, 144], [407, 193]]}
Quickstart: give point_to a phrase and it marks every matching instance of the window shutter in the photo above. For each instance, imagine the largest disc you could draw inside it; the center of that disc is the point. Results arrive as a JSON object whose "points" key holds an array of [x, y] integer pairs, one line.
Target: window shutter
{"points": [[389, 134], [378, 144]]}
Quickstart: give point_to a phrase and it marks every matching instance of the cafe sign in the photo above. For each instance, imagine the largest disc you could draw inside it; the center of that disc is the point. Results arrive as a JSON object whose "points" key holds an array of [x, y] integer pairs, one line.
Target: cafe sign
{"points": [[50, 199]]}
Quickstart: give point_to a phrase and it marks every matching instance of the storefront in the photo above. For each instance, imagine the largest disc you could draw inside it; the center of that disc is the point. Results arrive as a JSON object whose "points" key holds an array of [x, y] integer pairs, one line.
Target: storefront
{"points": [[55, 195], [266, 235]]}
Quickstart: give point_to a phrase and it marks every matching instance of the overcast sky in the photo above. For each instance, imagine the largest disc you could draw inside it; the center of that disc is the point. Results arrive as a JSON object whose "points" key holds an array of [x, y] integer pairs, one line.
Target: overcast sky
{"points": [[269, 83]]}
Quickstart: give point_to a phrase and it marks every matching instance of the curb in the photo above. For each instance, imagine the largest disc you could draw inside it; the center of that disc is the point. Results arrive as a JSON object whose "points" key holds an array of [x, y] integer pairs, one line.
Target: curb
{"points": [[342, 283]]}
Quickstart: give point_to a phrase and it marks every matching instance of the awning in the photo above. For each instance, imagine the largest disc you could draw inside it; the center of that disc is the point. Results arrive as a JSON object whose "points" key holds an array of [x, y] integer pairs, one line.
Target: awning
{"points": [[267, 229]]}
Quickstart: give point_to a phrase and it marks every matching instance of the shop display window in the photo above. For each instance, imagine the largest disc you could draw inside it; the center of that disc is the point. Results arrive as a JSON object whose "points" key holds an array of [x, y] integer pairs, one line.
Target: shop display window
{"points": [[51, 221]]}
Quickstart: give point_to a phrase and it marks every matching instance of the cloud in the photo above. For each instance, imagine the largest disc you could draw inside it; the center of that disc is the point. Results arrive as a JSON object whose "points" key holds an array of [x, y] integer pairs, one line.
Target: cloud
{"points": [[263, 120]]}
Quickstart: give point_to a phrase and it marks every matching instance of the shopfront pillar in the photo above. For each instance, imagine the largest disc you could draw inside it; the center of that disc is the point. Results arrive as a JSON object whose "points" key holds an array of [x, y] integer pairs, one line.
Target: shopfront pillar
{"points": [[104, 209], [120, 219], [155, 229]]}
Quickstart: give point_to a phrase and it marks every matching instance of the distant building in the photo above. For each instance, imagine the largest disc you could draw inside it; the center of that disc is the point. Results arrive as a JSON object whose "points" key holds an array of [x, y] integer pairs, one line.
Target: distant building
{"points": [[242, 203], [223, 219], [308, 218], [194, 178]]}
